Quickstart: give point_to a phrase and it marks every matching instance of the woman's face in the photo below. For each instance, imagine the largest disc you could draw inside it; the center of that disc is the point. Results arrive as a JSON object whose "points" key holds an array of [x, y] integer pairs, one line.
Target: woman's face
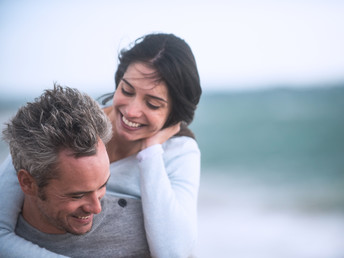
{"points": [[141, 103]]}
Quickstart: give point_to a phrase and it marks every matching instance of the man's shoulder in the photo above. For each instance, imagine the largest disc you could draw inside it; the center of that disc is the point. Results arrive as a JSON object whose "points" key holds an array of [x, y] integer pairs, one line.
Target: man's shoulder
{"points": [[122, 225], [119, 214], [120, 206]]}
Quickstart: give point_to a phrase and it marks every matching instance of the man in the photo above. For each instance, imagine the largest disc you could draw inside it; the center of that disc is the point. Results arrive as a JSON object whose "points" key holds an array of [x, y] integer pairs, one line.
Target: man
{"points": [[58, 149]]}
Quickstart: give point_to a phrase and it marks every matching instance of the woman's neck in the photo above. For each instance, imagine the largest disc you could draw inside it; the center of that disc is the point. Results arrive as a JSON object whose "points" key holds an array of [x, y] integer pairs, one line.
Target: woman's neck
{"points": [[118, 148]]}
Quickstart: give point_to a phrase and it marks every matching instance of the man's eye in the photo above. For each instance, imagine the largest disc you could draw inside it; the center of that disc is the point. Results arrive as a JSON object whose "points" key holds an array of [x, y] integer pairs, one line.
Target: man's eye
{"points": [[77, 196]]}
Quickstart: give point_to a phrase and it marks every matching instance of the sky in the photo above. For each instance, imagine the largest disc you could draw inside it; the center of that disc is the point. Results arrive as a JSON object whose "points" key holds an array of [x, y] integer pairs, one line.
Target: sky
{"points": [[238, 45]]}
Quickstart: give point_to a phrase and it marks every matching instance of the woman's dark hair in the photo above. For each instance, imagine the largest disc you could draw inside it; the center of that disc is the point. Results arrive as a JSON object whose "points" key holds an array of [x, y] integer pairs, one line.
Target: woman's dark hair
{"points": [[174, 63]]}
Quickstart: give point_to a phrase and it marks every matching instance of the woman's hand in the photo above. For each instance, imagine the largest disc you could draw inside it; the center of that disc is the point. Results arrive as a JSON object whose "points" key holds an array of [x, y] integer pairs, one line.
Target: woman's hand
{"points": [[160, 137]]}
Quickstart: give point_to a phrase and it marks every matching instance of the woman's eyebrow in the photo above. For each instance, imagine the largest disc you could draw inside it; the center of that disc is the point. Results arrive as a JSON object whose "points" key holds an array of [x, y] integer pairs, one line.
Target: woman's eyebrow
{"points": [[127, 83], [157, 98], [151, 96]]}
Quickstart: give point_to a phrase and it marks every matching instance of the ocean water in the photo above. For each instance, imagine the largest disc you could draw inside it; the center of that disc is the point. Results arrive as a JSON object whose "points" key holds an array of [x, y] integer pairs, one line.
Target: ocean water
{"points": [[272, 181], [272, 173]]}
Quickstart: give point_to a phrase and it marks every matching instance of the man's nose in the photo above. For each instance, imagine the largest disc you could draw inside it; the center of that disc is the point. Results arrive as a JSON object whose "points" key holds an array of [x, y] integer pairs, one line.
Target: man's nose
{"points": [[93, 204]]}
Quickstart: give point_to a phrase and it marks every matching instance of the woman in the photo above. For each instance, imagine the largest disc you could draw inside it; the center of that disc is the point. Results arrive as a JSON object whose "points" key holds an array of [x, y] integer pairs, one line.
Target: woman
{"points": [[157, 91]]}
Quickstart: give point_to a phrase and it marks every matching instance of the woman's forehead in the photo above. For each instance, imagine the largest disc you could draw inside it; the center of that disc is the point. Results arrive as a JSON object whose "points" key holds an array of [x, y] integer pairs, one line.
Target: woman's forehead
{"points": [[141, 71], [141, 76]]}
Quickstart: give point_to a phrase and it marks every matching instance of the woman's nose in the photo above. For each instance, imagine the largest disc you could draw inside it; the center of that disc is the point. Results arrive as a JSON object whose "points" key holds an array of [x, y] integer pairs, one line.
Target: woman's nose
{"points": [[134, 108]]}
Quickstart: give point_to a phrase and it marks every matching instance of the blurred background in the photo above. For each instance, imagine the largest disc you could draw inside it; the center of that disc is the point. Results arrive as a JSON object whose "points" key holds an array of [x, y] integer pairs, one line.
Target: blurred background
{"points": [[270, 124]]}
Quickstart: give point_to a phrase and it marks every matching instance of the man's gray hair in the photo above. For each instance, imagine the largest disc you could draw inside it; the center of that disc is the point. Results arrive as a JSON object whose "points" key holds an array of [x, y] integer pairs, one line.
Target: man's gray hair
{"points": [[61, 118]]}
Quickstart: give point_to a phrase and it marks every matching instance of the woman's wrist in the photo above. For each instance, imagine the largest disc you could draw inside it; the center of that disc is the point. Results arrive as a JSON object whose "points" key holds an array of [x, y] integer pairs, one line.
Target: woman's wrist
{"points": [[161, 136], [150, 151]]}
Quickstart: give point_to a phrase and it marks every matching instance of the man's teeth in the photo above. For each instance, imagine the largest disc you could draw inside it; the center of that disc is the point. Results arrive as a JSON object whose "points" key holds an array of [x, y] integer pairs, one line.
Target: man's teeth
{"points": [[86, 217], [131, 124]]}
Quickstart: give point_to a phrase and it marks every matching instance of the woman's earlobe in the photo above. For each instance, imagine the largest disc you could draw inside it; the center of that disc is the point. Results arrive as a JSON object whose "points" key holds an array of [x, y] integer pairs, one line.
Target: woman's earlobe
{"points": [[27, 182]]}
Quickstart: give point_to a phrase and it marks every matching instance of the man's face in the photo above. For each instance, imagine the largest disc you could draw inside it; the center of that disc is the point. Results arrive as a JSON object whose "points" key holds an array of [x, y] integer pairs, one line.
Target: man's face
{"points": [[71, 200]]}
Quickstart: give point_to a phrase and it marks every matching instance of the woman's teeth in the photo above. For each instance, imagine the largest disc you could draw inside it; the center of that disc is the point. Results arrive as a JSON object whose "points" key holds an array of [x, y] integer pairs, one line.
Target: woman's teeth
{"points": [[128, 123]]}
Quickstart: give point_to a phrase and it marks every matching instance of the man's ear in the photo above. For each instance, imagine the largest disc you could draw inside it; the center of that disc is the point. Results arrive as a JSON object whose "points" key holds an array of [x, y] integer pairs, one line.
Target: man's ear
{"points": [[27, 182]]}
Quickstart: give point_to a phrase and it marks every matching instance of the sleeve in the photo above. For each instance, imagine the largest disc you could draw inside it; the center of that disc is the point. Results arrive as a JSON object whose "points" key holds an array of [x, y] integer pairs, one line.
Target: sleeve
{"points": [[11, 199], [169, 190]]}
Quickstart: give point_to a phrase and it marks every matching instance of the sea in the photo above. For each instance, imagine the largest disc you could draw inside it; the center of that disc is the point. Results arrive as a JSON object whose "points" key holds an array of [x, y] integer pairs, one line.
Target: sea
{"points": [[272, 177]]}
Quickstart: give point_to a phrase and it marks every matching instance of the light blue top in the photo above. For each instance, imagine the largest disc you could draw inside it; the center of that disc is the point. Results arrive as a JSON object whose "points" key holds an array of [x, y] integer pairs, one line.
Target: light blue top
{"points": [[165, 177]]}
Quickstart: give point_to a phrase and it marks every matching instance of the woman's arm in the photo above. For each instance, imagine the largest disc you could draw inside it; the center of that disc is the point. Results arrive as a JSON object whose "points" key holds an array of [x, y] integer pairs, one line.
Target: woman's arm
{"points": [[11, 200], [169, 190]]}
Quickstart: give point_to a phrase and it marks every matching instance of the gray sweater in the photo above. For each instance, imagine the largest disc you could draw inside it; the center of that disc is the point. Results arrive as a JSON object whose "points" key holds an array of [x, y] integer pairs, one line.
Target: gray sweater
{"points": [[117, 231]]}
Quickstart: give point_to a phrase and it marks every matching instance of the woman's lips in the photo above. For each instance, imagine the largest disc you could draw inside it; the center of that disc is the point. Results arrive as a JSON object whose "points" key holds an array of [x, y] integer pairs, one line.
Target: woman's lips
{"points": [[130, 124]]}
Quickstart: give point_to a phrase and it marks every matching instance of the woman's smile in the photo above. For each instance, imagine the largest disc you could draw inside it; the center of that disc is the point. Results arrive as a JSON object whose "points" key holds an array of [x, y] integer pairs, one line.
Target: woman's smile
{"points": [[129, 124]]}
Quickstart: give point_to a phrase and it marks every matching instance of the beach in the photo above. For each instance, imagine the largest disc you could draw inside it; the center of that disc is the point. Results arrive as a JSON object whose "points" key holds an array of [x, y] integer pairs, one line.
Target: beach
{"points": [[243, 219]]}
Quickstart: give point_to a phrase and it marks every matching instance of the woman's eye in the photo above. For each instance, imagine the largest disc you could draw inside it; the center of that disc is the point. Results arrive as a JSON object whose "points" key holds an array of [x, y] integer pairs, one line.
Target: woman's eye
{"points": [[127, 93], [151, 106]]}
